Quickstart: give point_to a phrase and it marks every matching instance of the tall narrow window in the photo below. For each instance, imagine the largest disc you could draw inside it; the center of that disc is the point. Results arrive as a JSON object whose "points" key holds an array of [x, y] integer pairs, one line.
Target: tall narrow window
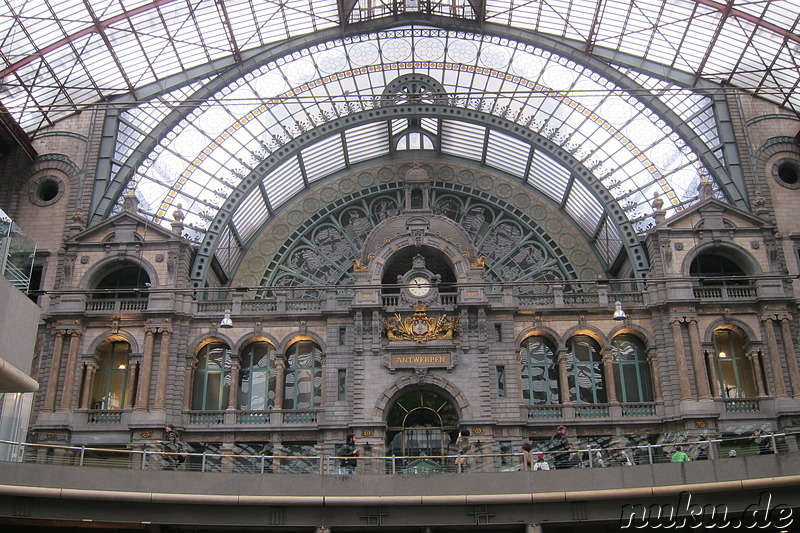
{"points": [[631, 369], [587, 383], [501, 381], [111, 380], [539, 371], [257, 377], [212, 378], [303, 377], [341, 385], [733, 368]]}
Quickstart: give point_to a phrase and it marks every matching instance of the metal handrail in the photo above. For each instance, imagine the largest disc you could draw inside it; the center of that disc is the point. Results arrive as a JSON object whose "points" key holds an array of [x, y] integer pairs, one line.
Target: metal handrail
{"points": [[153, 457]]}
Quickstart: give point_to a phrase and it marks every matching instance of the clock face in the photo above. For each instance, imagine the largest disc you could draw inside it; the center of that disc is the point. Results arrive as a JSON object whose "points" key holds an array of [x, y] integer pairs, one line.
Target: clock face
{"points": [[419, 286]]}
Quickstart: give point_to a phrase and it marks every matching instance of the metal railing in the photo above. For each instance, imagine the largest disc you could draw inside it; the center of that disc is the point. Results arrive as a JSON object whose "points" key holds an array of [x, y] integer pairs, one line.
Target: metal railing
{"points": [[153, 457]]}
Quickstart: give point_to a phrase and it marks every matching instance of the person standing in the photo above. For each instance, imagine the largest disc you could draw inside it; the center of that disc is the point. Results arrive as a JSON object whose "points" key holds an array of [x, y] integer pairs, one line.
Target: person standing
{"points": [[526, 460], [462, 448], [560, 444], [764, 442], [348, 454], [680, 456], [172, 447]]}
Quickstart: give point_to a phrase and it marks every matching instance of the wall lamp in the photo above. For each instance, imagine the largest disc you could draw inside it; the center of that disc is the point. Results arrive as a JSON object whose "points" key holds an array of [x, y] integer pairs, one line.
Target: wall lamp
{"points": [[619, 314], [226, 321]]}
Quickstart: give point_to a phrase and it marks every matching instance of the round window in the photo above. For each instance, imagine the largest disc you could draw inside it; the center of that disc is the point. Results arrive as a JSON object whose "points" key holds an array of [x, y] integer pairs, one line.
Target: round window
{"points": [[46, 190], [787, 173]]}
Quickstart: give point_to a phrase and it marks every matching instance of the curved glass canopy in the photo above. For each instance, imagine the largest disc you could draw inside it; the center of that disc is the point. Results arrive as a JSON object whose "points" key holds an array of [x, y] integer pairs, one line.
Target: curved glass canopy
{"points": [[229, 109], [576, 121]]}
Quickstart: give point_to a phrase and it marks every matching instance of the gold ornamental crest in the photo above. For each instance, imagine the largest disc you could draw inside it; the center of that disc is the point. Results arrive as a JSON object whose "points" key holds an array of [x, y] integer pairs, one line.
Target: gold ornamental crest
{"points": [[420, 327]]}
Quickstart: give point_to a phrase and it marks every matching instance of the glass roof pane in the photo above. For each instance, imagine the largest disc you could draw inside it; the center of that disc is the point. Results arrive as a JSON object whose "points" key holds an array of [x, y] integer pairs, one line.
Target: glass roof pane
{"points": [[284, 181], [367, 142], [583, 207], [250, 215], [324, 158], [462, 139], [548, 176], [507, 154]]}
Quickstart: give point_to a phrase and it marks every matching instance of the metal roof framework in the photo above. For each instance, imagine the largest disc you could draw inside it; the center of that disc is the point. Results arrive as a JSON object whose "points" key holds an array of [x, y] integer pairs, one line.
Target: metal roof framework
{"points": [[197, 106]]}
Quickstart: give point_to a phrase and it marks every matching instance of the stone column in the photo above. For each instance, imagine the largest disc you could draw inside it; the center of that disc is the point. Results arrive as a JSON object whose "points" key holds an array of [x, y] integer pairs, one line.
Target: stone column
{"points": [[680, 359], [88, 384], [146, 369], [129, 392], [758, 376], [791, 356], [280, 369], [774, 358], [234, 389], [163, 371], [69, 376], [563, 378], [698, 362], [652, 358], [188, 380], [711, 362], [611, 382], [55, 372]]}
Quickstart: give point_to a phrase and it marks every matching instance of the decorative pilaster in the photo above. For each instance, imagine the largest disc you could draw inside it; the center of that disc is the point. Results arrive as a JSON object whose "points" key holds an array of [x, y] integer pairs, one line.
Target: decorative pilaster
{"points": [[143, 391], [790, 354], [280, 369], [133, 366], [233, 392], [652, 359], [711, 364], [680, 360], [188, 379], [698, 362], [88, 383], [774, 358], [69, 376], [563, 378], [163, 371], [755, 364], [608, 369], [55, 371]]}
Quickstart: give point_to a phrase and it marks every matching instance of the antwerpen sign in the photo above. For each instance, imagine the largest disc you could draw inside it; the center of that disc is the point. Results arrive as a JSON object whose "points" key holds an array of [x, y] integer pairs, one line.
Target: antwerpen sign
{"points": [[421, 360]]}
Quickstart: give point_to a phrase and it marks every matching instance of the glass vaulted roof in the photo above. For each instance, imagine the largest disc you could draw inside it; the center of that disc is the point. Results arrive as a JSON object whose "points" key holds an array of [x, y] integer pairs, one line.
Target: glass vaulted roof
{"points": [[58, 56], [212, 95]]}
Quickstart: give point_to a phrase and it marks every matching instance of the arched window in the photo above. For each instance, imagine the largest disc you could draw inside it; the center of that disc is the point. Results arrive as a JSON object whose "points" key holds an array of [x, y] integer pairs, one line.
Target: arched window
{"points": [[587, 381], [303, 376], [212, 378], [257, 377], [714, 270], [733, 368], [631, 369], [128, 281], [111, 379], [539, 371]]}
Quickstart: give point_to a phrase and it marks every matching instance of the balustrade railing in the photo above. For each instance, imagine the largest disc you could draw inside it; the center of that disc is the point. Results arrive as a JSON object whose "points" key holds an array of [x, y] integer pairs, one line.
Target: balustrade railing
{"points": [[114, 305], [151, 456], [104, 416], [734, 292], [741, 405]]}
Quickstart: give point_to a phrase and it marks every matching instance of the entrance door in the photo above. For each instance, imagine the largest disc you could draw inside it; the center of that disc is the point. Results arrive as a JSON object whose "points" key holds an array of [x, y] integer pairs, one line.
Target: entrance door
{"points": [[421, 426]]}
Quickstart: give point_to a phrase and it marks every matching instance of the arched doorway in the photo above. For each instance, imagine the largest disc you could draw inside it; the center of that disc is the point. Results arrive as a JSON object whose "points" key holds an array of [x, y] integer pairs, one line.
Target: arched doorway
{"points": [[420, 427]]}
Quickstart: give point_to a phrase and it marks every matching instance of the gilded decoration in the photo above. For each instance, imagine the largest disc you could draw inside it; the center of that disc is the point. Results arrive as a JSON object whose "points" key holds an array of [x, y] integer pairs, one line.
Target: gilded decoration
{"points": [[420, 327]]}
